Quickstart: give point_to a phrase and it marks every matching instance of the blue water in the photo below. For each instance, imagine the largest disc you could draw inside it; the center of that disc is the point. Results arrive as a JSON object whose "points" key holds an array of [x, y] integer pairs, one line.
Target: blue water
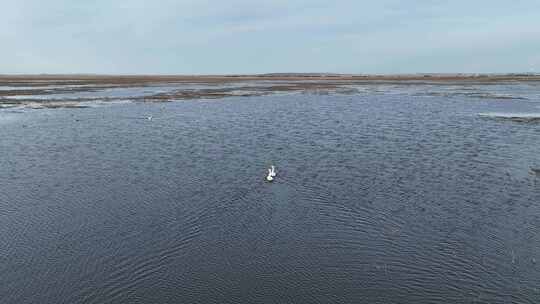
{"points": [[379, 198]]}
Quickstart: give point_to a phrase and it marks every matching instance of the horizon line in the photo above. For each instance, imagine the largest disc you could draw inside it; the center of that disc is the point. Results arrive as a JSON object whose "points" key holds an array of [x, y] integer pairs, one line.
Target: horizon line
{"points": [[281, 74]]}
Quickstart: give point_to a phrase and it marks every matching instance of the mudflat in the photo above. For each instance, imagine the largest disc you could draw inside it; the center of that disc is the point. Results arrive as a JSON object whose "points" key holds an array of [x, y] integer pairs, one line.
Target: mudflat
{"points": [[54, 91]]}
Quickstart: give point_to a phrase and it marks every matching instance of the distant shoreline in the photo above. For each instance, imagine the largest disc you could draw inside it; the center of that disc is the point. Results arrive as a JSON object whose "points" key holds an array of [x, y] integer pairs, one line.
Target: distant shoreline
{"points": [[91, 78], [53, 91]]}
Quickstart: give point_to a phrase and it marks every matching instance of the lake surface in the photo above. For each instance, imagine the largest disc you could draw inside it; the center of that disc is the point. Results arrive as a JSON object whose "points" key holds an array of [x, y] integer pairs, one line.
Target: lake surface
{"points": [[398, 194]]}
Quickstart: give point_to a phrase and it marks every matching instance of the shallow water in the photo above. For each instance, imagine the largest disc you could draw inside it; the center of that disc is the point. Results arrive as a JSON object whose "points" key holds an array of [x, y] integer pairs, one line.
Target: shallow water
{"points": [[379, 198]]}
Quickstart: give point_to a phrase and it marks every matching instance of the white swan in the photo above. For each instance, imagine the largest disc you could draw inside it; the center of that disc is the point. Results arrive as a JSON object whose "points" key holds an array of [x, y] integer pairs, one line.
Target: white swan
{"points": [[273, 171], [269, 176]]}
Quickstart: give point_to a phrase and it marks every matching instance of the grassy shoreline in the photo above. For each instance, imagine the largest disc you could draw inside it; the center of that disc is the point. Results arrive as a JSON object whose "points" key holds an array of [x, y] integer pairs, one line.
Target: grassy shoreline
{"points": [[111, 79]]}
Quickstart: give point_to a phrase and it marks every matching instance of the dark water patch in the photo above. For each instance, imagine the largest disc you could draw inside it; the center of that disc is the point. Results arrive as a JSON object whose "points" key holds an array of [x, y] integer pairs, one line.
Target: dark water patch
{"points": [[480, 95], [515, 117]]}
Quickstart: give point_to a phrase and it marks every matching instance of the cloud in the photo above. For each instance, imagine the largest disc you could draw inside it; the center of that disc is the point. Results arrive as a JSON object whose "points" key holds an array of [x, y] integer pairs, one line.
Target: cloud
{"points": [[240, 36]]}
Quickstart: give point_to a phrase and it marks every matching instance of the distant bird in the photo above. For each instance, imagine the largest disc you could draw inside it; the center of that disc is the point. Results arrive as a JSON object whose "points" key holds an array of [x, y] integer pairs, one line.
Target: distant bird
{"points": [[149, 117], [269, 177], [273, 171]]}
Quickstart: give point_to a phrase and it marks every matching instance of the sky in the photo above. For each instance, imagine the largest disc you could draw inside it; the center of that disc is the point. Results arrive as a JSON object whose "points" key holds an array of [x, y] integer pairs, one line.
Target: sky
{"points": [[250, 37]]}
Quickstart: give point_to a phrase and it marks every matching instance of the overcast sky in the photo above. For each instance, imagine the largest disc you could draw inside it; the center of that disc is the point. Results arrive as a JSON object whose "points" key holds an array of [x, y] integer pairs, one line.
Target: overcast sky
{"points": [[249, 36]]}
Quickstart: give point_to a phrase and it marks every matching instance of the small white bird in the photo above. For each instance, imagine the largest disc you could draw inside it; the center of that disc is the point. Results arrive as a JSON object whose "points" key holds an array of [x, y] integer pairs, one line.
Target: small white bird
{"points": [[269, 177], [149, 117], [273, 171]]}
